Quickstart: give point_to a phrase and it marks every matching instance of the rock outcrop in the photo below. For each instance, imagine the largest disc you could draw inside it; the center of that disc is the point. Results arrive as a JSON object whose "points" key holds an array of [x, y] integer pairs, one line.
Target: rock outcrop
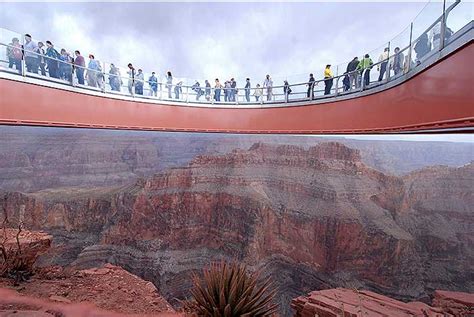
{"points": [[455, 303], [311, 218], [109, 288], [354, 303]]}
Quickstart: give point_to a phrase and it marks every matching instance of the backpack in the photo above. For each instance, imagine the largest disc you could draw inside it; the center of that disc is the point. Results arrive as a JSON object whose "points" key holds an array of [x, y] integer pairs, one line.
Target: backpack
{"points": [[16, 52]]}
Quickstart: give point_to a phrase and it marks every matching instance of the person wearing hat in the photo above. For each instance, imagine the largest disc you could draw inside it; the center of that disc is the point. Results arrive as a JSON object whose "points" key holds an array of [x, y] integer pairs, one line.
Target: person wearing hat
{"points": [[153, 82], [328, 79]]}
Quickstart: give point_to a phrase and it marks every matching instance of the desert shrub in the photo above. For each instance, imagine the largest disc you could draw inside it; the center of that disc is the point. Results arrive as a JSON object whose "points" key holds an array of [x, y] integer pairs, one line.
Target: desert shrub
{"points": [[230, 290]]}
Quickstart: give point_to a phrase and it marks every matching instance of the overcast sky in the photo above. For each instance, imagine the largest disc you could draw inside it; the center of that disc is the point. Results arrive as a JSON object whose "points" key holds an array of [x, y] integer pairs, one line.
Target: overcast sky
{"points": [[208, 40]]}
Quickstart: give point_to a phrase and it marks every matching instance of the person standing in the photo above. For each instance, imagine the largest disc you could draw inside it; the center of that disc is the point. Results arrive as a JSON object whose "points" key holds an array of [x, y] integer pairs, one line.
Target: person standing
{"points": [[169, 83], [258, 92], [52, 60], [40, 58], [247, 89], [14, 54], [80, 65], [140, 78], [365, 65], [352, 73], [227, 91], [382, 67], [328, 80], [422, 47], [286, 90], [131, 78], [115, 81], [31, 59], [93, 71], [217, 90], [268, 84], [153, 82], [208, 90], [65, 66], [311, 82], [178, 89], [396, 62], [233, 89]]}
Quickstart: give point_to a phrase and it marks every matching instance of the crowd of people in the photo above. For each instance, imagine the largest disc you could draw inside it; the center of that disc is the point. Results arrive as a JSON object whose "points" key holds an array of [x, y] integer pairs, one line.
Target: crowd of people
{"points": [[46, 60]]}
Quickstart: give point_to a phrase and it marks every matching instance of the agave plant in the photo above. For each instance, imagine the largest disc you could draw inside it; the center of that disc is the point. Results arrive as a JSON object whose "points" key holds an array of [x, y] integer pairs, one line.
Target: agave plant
{"points": [[229, 290]]}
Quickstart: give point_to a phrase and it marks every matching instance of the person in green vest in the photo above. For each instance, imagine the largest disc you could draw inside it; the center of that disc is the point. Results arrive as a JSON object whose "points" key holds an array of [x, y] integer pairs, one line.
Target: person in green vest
{"points": [[365, 64]]}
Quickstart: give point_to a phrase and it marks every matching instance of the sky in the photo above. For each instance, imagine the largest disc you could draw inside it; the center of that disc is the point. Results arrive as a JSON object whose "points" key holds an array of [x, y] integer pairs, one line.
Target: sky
{"points": [[208, 40]]}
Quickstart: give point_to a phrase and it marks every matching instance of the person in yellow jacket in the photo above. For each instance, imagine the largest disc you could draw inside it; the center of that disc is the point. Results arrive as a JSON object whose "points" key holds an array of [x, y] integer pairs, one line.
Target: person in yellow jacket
{"points": [[328, 80]]}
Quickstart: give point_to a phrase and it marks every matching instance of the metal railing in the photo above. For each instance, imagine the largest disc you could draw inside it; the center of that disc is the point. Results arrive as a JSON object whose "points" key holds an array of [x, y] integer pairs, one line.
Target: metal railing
{"points": [[62, 70]]}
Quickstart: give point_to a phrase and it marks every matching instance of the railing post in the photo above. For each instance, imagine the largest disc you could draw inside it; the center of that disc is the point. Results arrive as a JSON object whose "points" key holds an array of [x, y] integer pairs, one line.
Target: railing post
{"points": [[103, 78], [387, 68], [161, 89], [22, 62], [443, 28], [410, 47]]}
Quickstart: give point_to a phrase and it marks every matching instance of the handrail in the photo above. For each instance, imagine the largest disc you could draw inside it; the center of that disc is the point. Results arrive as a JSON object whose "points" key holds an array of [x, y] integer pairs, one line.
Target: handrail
{"points": [[359, 75]]}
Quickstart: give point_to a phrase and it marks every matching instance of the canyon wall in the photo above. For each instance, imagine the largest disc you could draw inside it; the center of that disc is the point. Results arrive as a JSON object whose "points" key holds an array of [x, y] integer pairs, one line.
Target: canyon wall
{"points": [[310, 217], [33, 159]]}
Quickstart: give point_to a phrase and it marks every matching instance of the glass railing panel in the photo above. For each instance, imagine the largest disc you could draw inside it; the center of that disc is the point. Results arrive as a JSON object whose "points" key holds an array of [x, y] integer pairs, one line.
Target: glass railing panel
{"points": [[10, 52], [399, 48], [460, 14], [425, 35]]}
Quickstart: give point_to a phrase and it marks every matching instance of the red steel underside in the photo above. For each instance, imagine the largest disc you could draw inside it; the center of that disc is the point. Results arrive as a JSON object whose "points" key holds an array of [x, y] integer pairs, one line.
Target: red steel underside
{"points": [[440, 97]]}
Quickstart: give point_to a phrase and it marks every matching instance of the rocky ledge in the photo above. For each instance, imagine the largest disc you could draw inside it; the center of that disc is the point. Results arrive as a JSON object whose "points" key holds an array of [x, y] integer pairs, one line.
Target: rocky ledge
{"points": [[354, 303]]}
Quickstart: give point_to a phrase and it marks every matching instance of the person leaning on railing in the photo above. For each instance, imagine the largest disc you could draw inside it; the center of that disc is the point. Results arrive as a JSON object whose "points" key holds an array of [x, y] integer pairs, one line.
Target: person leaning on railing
{"points": [[153, 82], [353, 75], [40, 58], [258, 92]]}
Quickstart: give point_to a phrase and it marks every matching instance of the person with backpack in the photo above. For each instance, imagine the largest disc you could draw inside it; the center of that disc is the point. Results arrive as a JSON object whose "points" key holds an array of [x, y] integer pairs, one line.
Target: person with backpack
{"points": [[52, 60], [14, 54], [31, 60]]}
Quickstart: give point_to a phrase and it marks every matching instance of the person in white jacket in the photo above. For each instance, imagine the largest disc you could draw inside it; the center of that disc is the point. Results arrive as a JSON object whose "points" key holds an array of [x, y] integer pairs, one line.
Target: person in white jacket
{"points": [[382, 67], [268, 84]]}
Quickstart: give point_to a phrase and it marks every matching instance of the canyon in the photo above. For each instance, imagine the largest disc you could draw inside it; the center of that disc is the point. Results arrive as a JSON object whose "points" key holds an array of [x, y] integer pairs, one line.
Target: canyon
{"points": [[310, 216], [33, 159]]}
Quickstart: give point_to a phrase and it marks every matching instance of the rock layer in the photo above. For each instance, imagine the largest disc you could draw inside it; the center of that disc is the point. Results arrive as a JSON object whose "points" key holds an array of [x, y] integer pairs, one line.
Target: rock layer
{"points": [[312, 218]]}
